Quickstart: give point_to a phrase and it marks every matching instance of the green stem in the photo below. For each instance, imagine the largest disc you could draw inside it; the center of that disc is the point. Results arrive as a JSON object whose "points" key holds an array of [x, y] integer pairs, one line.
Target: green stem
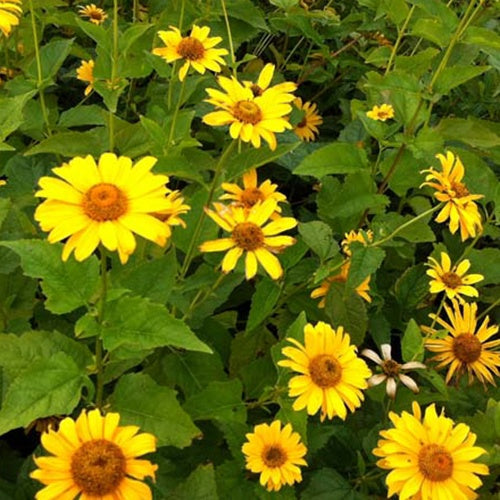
{"points": [[490, 307], [100, 318], [181, 17], [111, 122], [401, 33], [175, 115], [135, 11], [196, 302], [229, 36]]}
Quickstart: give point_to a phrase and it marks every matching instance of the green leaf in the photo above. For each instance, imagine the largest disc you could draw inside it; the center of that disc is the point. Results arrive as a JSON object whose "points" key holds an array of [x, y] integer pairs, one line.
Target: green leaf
{"points": [[82, 115], [264, 299], [11, 113], [418, 232], [247, 11], [92, 142], [287, 415], [364, 262], [154, 408], [471, 131], [327, 484], [453, 76], [67, 285], [485, 262], [412, 287], [484, 37], [318, 236], [99, 34], [412, 343], [433, 30], [52, 56], [200, 485]]}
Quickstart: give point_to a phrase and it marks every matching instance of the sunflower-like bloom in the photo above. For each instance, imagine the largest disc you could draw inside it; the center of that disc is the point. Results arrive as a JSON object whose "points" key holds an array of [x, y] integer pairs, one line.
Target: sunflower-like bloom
{"points": [[95, 458], [251, 234], [459, 206], [249, 118], [171, 215], [196, 50], [104, 203], [307, 128], [276, 454], [429, 458], [3, 182], [452, 280], [381, 113], [264, 80], [464, 349], [95, 14], [331, 376], [10, 12], [85, 73], [364, 237]]}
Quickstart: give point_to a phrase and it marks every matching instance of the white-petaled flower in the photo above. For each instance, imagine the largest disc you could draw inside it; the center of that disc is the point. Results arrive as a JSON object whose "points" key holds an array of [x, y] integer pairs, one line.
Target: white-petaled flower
{"points": [[391, 370]]}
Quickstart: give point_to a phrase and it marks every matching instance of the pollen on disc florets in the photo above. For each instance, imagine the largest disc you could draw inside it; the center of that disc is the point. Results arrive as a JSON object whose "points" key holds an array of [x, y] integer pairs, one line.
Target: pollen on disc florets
{"points": [[391, 368], [250, 196], [325, 370], [451, 280], [248, 236], [104, 202], [467, 347], [460, 189], [247, 112], [191, 49], [435, 462], [274, 456]]}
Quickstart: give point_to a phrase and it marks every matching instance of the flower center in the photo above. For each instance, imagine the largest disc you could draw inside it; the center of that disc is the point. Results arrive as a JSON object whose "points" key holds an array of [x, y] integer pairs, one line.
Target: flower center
{"points": [[325, 370], [98, 467], [247, 112], [460, 189], [451, 280], [391, 368], [383, 115], [302, 123], [274, 456], [256, 90], [191, 49], [104, 202], [435, 462], [248, 236], [467, 348], [250, 196], [95, 14]]}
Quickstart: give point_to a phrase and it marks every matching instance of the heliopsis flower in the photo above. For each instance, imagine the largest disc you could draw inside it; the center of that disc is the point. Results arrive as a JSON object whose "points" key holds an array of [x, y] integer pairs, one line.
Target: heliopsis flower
{"points": [[171, 215], [251, 234], [381, 113], [391, 370], [276, 454], [95, 14], [2, 182], [364, 237], [331, 375], [85, 73], [95, 458], [264, 80], [10, 12], [464, 349], [104, 203], [249, 118], [196, 50], [429, 458], [308, 126], [453, 281], [459, 203]]}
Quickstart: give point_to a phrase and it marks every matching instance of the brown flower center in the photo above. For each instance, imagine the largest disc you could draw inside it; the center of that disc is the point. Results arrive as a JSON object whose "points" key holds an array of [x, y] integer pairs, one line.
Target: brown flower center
{"points": [[96, 15], [250, 196], [460, 189], [451, 280], [325, 370], [248, 236], [302, 123], [391, 368], [467, 348], [191, 49], [256, 90], [435, 462], [98, 467], [247, 112], [274, 456], [104, 202]]}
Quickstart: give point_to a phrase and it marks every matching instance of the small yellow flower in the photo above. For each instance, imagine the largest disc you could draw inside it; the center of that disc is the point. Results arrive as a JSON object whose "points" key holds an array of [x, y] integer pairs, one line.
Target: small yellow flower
{"points": [[85, 73], [2, 182], [453, 281], [95, 14], [171, 215], [307, 128], [196, 50], [264, 80], [10, 12], [276, 453], [381, 113], [364, 237]]}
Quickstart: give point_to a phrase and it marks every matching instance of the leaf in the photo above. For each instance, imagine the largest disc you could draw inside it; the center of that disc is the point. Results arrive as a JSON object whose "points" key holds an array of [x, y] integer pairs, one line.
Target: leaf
{"points": [[418, 232], [471, 131], [485, 262], [40, 259], [412, 343], [154, 408], [453, 76], [11, 113], [327, 484], [52, 56], [247, 11], [82, 115], [200, 485], [98, 33], [364, 262], [264, 299], [412, 287], [318, 236]]}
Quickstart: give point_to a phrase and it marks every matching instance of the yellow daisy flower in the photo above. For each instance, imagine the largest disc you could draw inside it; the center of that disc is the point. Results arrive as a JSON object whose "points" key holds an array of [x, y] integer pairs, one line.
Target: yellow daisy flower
{"points": [[459, 203], [95, 14], [2, 182], [307, 128], [364, 237], [104, 203], [264, 80], [95, 458], [85, 73], [381, 113], [250, 234], [196, 50], [464, 349], [276, 454], [249, 118], [10, 12], [429, 458], [171, 215], [453, 281], [331, 375]]}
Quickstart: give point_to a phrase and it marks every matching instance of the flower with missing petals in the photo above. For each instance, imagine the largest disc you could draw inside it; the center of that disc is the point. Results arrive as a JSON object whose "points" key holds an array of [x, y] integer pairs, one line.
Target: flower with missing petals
{"points": [[381, 113], [85, 73], [363, 237]]}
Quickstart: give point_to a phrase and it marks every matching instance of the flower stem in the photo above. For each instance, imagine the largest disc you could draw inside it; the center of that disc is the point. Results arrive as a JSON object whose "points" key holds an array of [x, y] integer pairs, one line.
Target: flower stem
{"points": [[401, 33], [175, 115], [100, 317], [229, 36], [114, 60]]}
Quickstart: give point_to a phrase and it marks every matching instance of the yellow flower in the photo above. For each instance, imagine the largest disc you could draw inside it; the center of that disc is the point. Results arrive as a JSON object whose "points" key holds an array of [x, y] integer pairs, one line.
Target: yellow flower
{"points": [[308, 126], [381, 113], [10, 12], [276, 454], [459, 203], [264, 80], [429, 458], [464, 349], [2, 182], [453, 281], [104, 203], [249, 118], [95, 14], [85, 73], [95, 458], [364, 237], [331, 375], [170, 215], [196, 50]]}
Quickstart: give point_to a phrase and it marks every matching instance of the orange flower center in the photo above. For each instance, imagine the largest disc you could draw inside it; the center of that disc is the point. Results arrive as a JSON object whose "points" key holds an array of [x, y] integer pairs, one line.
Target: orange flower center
{"points": [[250, 196], [383, 115], [435, 462], [274, 456], [325, 370], [391, 368], [104, 202], [451, 280], [467, 348], [460, 189], [98, 467], [247, 112], [191, 49], [248, 236]]}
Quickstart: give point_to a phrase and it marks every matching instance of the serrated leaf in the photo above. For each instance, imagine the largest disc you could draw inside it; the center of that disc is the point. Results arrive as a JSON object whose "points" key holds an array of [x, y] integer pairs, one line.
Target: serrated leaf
{"points": [[264, 299], [485, 262], [200, 485], [11, 114], [318, 236], [412, 287], [52, 56], [453, 76], [364, 262], [412, 343], [93, 142], [327, 484]]}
